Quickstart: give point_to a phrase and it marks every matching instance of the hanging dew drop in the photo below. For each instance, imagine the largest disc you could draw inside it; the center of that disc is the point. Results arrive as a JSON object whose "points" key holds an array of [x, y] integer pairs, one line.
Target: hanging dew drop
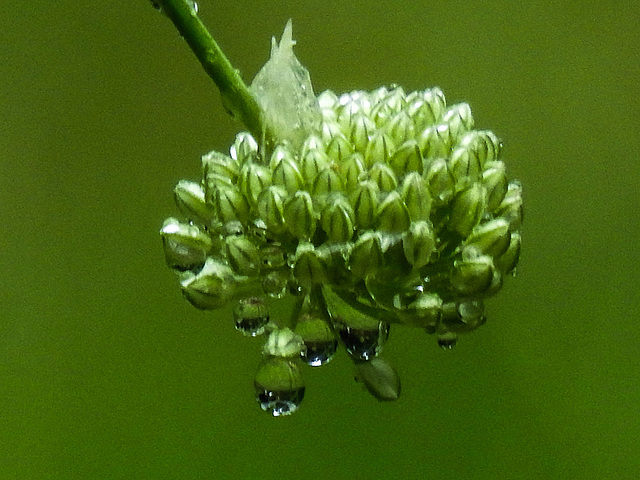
{"points": [[251, 316], [447, 340], [279, 386]]}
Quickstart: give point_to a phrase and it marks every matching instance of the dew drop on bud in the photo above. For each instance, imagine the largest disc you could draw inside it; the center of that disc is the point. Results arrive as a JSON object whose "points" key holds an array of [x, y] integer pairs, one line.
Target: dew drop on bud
{"points": [[363, 343], [447, 340], [319, 339], [279, 386], [251, 316]]}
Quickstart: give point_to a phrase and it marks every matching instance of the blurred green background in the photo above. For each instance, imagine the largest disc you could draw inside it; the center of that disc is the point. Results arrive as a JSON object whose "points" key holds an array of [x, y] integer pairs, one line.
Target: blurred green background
{"points": [[107, 372]]}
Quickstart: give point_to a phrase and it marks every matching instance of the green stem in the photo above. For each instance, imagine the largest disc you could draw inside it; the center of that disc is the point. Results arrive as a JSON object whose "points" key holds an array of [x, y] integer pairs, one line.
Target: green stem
{"points": [[236, 95]]}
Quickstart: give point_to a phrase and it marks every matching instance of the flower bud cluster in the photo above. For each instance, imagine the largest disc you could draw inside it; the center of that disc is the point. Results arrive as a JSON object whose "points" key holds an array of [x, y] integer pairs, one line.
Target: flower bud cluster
{"points": [[393, 207]]}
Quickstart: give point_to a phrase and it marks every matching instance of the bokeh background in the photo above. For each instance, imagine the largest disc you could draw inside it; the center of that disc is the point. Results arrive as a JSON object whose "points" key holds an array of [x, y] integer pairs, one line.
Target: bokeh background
{"points": [[107, 372]]}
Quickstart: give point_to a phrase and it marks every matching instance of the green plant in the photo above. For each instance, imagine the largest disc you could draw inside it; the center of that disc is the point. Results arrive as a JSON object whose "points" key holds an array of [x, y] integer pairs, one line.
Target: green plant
{"points": [[369, 208]]}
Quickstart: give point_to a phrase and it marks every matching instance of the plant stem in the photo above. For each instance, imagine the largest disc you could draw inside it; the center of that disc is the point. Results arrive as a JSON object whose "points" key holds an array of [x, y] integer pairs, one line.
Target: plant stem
{"points": [[236, 96]]}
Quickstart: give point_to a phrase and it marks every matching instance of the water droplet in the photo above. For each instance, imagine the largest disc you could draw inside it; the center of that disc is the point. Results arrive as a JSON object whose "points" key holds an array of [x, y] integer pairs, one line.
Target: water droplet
{"points": [[319, 339], [364, 343], [279, 386], [447, 340], [319, 353], [251, 316], [279, 403]]}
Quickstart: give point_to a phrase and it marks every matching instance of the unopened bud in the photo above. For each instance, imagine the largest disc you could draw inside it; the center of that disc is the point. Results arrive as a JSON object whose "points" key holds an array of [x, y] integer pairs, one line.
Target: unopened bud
{"points": [[185, 246], [419, 244], [366, 255], [213, 287], [242, 254], [491, 238], [337, 220], [299, 216], [467, 209], [472, 275], [190, 199], [392, 214], [416, 196]]}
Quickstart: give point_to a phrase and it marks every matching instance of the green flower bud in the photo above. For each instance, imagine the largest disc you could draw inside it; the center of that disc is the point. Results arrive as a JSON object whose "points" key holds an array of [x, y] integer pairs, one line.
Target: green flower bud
{"points": [[311, 164], [299, 216], [426, 310], [218, 169], [426, 108], [440, 181], [419, 244], [511, 206], [327, 181], [459, 119], [185, 246], [407, 159], [361, 130], [311, 143], [464, 166], [245, 148], [280, 152], [491, 238], [452, 320], [471, 314], [310, 266], [190, 199], [352, 105], [483, 143], [327, 100], [251, 316], [319, 339], [472, 276], [213, 287], [366, 255], [279, 386], [283, 343], [379, 149], [436, 141], [494, 179], [377, 96], [380, 379], [287, 175], [271, 208], [339, 147], [230, 204], [392, 214], [353, 171], [337, 220], [415, 194], [509, 259], [400, 128], [388, 106], [243, 255], [364, 200], [254, 179], [382, 175], [467, 209]]}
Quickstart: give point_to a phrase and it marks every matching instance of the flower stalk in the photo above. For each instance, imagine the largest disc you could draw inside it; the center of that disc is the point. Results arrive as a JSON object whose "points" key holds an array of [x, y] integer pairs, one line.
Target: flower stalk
{"points": [[236, 96]]}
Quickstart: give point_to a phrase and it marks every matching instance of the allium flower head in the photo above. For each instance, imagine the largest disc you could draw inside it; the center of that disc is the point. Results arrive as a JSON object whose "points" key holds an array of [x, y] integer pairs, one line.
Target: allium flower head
{"points": [[370, 208]]}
